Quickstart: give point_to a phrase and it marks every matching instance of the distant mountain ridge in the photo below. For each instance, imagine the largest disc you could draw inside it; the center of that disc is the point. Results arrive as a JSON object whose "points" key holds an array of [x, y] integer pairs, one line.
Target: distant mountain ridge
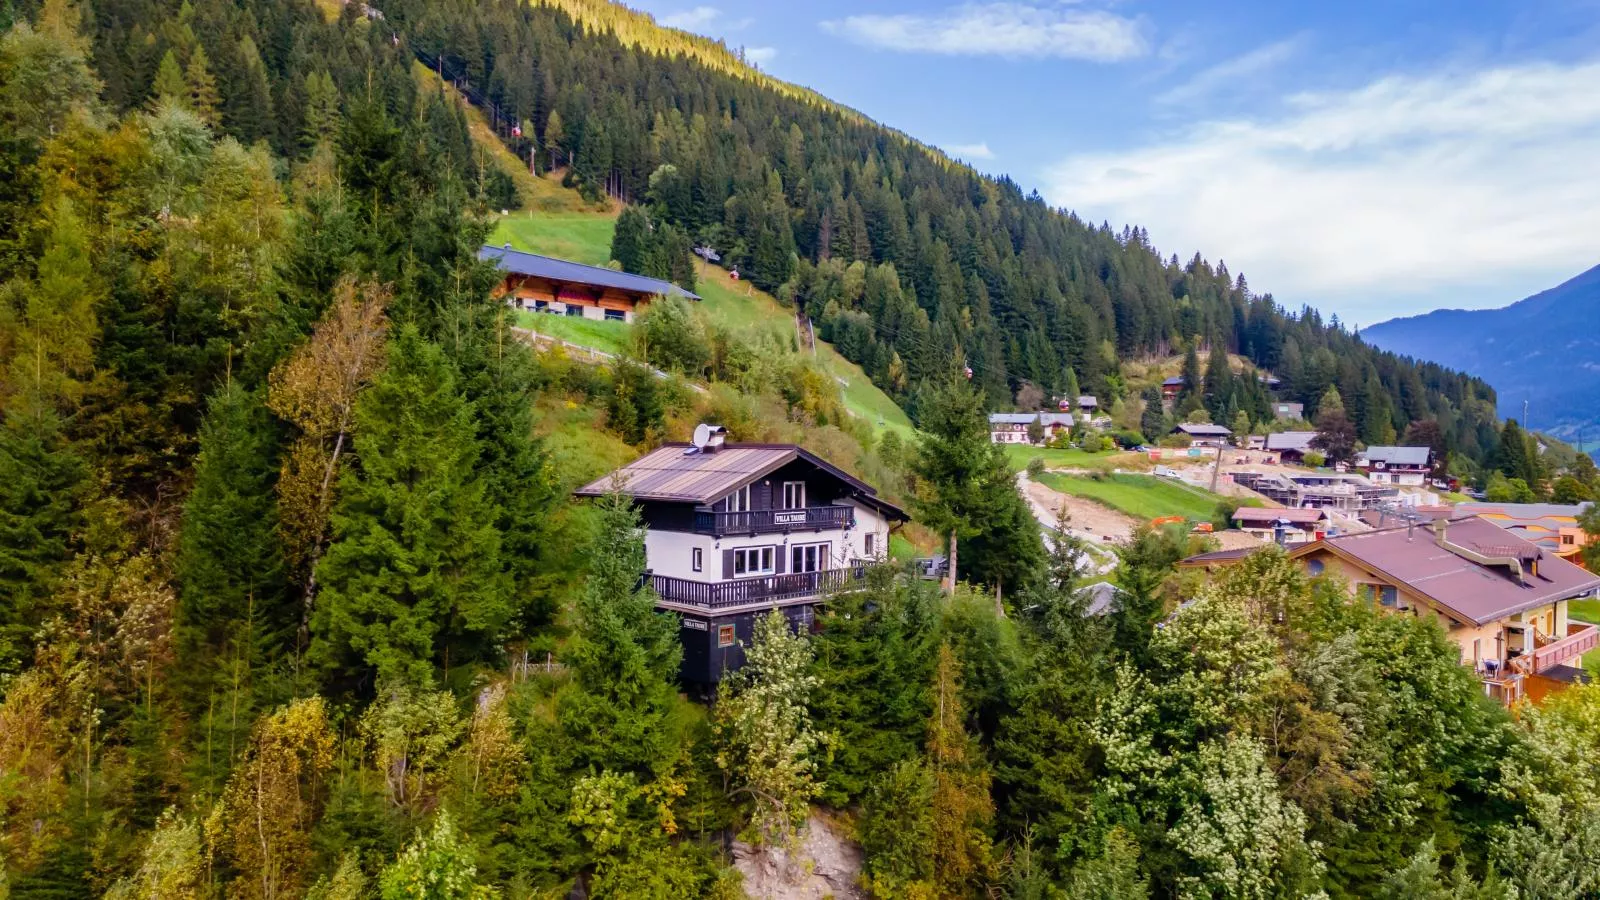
{"points": [[1544, 350]]}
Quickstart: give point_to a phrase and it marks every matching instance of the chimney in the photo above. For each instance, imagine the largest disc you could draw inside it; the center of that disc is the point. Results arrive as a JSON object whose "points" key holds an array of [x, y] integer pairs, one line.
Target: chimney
{"points": [[1441, 531]]}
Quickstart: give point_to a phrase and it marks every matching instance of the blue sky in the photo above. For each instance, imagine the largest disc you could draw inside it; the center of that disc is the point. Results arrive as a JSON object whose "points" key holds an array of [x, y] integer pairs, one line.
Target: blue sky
{"points": [[1369, 158]]}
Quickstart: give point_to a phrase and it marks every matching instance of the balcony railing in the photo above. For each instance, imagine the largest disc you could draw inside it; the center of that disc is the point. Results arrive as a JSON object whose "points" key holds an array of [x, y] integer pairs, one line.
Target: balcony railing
{"points": [[762, 589], [768, 521], [1580, 639], [1505, 687]]}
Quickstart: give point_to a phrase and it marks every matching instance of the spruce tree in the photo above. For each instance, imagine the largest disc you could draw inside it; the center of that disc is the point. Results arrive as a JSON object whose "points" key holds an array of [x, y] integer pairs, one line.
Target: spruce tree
{"points": [[1219, 382], [1153, 420], [617, 713], [631, 240], [413, 577], [42, 485], [234, 605], [967, 485]]}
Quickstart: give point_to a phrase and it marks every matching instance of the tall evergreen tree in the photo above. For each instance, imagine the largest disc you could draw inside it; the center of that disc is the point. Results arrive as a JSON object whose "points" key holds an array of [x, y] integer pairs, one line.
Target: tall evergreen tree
{"points": [[413, 578], [618, 712], [234, 604], [42, 487]]}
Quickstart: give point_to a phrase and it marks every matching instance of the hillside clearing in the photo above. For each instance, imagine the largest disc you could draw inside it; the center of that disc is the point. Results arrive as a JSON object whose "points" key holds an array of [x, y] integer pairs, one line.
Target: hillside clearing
{"points": [[1072, 458], [586, 237]]}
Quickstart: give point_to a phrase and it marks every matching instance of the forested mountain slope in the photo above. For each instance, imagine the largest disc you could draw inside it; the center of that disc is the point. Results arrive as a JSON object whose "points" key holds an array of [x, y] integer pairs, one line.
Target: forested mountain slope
{"points": [[294, 601], [956, 267], [1544, 350]]}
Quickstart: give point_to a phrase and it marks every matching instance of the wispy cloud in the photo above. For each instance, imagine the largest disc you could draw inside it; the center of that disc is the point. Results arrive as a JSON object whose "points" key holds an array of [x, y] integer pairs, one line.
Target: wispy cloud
{"points": [[760, 55], [696, 19], [1001, 29], [1210, 80], [1410, 185], [970, 151]]}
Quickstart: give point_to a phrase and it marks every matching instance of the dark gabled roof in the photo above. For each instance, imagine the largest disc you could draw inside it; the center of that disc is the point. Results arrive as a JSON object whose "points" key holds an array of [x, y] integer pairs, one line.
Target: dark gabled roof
{"points": [[519, 262], [1174, 381], [670, 475], [1468, 590]]}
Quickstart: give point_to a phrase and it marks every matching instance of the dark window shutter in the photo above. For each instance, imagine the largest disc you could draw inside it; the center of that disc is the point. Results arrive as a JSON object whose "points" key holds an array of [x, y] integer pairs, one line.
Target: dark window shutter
{"points": [[727, 564], [781, 563]]}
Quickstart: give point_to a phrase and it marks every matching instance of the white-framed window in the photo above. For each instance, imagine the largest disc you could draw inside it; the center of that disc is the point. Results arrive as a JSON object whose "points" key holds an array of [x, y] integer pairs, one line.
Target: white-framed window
{"points": [[754, 561], [808, 558], [616, 315], [869, 544], [794, 495], [697, 559], [739, 500]]}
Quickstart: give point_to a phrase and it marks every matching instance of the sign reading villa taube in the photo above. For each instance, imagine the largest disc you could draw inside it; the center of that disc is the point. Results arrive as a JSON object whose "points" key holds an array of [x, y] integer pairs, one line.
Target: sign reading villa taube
{"points": [[790, 517]]}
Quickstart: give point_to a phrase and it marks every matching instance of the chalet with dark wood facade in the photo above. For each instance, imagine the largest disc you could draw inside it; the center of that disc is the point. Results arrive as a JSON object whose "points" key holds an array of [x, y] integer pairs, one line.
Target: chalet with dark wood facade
{"points": [[734, 530], [563, 287]]}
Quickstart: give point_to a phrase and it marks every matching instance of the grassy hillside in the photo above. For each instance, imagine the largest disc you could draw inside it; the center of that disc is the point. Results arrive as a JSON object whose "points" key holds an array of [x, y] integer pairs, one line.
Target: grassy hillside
{"points": [[1141, 496], [585, 236]]}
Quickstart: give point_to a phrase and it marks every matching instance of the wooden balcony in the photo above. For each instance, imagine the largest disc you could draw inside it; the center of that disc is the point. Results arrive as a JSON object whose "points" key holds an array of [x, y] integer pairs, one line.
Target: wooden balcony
{"points": [[1580, 638], [1504, 686], [770, 521], [765, 589]]}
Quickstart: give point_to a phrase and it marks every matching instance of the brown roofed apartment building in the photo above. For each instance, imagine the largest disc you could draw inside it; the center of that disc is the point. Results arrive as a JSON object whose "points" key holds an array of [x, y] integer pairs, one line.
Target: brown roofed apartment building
{"points": [[1501, 599]]}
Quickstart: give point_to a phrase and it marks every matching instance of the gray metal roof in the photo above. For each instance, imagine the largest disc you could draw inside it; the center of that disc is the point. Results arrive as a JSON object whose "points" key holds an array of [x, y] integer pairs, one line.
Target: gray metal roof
{"points": [[520, 262], [1087, 400], [1012, 418], [1397, 456], [1299, 441], [669, 474], [1203, 429]]}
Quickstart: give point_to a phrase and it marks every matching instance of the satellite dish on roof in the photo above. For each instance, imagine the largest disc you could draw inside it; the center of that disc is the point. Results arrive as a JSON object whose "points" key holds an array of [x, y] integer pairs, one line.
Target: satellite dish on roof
{"points": [[702, 436]]}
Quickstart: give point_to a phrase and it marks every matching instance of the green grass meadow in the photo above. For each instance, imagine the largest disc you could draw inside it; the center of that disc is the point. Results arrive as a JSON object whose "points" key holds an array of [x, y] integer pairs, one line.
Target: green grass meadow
{"points": [[1143, 497]]}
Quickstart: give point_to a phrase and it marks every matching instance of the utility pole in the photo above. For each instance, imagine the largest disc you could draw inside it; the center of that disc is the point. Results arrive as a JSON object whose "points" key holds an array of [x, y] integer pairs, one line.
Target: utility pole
{"points": [[1216, 471]]}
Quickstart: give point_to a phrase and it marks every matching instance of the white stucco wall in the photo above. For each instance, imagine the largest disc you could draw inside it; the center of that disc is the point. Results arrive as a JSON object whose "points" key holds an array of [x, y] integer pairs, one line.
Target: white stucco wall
{"points": [[671, 553]]}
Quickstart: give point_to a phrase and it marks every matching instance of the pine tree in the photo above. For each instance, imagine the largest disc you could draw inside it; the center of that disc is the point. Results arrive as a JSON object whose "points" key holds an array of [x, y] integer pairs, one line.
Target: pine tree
{"points": [[413, 577], [1219, 382]]}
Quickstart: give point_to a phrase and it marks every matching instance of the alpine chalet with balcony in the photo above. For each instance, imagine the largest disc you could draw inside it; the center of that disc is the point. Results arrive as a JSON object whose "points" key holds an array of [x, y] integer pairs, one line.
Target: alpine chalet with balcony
{"points": [[733, 530]]}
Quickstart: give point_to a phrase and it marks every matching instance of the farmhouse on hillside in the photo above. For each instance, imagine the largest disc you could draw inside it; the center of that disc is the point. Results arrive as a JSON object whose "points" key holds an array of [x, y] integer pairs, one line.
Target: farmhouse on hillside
{"points": [[734, 530], [547, 284]]}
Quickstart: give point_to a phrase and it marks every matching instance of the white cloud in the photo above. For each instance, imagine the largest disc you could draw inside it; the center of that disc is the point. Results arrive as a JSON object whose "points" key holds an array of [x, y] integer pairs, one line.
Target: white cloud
{"points": [[696, 19], [1001, 29], [970, 151], [1410, 186], [1209, 81], [760, 55]]}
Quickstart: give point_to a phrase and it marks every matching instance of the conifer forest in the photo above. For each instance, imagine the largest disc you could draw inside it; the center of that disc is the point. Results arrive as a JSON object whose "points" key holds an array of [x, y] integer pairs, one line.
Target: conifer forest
{"points": [[296, 601]]}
